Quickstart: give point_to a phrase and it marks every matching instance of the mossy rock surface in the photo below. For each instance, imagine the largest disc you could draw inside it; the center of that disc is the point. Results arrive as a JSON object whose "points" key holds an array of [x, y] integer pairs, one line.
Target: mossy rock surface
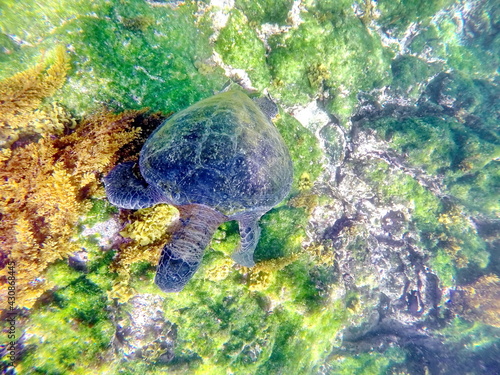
{"points": [[409, 95]]}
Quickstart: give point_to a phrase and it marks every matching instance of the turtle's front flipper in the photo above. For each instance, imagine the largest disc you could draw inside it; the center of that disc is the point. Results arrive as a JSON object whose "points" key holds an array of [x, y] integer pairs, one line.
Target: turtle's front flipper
{"points": [[181, 257], [126, 190], [250, 233]]}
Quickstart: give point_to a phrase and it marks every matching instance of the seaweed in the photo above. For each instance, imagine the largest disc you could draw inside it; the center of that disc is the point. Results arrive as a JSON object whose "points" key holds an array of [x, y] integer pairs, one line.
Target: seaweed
{"points": [[262, 275], [326, 57], [45, 188], [398, 15], [21, 97], [68, 333], [148, 233], [240, 47], [265, 11], [479, 301]]}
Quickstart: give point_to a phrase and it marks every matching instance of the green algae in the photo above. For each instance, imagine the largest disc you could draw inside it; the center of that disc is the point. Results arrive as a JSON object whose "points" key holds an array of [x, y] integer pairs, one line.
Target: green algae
{"points": [[249, 340], [226, 238], [166, 73], [304, 150], [398, 15], [474, 104], [396, 187], [302, 289], [39, 20], [99, 270], [69, 333], [100, 211], [449, 235], [471, 340], [477, 190], [106, 39], [322, 53], [224, 326], [226, 335], [410, 75], [240, 47], [428, 142], [476, 54], [33, 25], [474, 334], [282, 233], [267, 11], [444, 146], [7, 46], [442, 263], [72, 329], [328, 54], [61, 273], [327, 9]]}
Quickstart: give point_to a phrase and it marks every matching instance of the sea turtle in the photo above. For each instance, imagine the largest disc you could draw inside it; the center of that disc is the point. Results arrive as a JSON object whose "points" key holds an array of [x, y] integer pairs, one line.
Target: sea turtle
{"points": [[220, 159]]}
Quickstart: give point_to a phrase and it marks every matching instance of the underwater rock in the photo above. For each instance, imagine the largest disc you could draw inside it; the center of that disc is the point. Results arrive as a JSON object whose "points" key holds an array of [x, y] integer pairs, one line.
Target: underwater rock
{"points": [[452, 92], [79, 261], [478, 301], [142, 330], [334, 143], [389, 209], [427, 354]]}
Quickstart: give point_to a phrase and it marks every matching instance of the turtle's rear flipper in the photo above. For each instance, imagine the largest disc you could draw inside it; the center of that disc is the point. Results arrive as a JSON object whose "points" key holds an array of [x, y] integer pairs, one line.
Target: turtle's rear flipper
{"points": [[181, 257], [173, 272], [126, 190], [250, 234]]}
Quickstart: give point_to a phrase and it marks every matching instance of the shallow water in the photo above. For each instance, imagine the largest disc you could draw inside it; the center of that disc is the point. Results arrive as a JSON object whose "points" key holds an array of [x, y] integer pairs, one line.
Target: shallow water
{"points": [[384, 257]]}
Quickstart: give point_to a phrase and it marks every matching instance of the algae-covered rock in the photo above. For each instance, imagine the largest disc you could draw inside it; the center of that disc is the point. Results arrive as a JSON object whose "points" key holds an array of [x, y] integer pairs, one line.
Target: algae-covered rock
{"points": [[70, 331], [105, 39], [398, 15], [327, 55], [383, 259], [410, 75], [275, 12], [240, 47], [142, 332], [478, 301]]}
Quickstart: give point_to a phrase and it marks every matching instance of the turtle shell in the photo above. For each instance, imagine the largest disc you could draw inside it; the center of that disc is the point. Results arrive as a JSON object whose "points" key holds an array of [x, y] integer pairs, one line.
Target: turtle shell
{"points": [[222, 152]]}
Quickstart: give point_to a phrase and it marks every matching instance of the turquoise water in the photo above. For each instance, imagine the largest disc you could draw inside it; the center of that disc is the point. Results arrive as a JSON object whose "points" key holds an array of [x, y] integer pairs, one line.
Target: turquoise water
{"points": [[383, 258]]}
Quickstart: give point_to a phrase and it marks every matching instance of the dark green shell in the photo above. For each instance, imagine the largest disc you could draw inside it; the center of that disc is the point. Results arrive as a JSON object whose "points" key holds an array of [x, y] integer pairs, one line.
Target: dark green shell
{"points": [[222, 152]]}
